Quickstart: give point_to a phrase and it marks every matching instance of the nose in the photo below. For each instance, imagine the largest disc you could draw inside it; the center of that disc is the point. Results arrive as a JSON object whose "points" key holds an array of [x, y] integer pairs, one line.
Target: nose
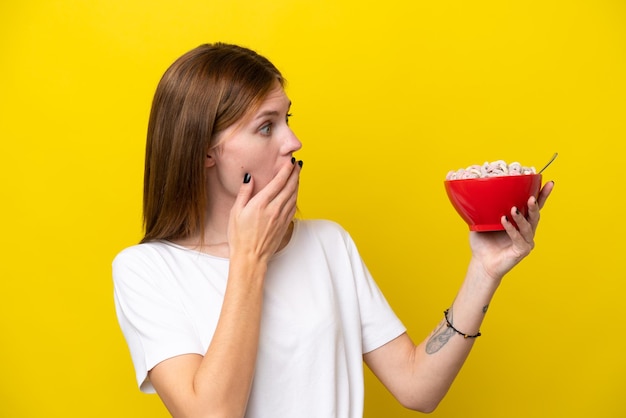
{"points": [[292, 143]]}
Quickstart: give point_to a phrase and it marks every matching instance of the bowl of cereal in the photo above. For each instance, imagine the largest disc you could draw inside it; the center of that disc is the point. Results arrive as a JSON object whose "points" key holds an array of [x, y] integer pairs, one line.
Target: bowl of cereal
{"points": [[482, 194]]}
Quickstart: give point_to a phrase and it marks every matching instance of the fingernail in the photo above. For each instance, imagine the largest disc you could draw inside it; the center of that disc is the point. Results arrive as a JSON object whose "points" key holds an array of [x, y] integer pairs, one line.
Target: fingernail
{"points": [[293, 160], [516, 211], [246, 178], [300, 163], [506, 218]]}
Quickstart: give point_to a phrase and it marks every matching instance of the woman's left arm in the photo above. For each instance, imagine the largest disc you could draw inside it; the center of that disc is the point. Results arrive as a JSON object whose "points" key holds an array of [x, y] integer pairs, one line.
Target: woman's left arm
{"points": [[420, 376]]}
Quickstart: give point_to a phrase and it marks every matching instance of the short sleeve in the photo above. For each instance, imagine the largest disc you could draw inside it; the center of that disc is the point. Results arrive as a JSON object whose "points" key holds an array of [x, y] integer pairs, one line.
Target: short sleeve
{"points": [[151, 315], [379, 323]]}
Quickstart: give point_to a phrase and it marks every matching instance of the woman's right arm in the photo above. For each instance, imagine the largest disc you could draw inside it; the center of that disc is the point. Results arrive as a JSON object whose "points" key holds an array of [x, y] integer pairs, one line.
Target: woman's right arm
{"points": [[218, 383]]}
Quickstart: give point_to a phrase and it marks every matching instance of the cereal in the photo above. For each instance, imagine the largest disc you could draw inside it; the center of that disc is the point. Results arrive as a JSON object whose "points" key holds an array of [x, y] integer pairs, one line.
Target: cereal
{"points": [[494, 169]]}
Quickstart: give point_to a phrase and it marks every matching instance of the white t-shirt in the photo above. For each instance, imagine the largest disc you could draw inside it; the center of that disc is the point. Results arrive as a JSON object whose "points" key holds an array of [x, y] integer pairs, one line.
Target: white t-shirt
{"points": [[321, 312]]}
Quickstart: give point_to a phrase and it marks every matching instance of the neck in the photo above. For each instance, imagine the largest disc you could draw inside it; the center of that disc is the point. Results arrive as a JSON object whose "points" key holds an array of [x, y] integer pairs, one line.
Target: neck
{"points": [[215, 228], [220, 248]]}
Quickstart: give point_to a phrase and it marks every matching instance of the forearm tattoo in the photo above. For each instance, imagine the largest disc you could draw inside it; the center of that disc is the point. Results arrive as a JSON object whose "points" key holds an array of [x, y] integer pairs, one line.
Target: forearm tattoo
{"points": [[439, 337], [442, 334]]}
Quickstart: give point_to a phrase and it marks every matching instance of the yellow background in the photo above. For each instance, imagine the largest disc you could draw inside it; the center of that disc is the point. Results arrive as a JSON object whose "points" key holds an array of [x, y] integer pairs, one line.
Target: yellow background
{"points": [[388, 97]]}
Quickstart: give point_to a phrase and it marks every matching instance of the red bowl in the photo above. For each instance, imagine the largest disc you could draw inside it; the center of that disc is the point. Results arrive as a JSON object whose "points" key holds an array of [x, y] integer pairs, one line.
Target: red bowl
{"points": [[482, 202]]}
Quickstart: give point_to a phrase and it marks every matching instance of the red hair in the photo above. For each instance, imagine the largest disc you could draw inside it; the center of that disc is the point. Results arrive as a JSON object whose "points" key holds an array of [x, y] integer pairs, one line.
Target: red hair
{"points": [[202, 93]]}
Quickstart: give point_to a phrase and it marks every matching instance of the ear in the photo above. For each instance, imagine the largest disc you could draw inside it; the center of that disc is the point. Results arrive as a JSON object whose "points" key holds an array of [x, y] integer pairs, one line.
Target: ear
{"points": [[209, 161]]}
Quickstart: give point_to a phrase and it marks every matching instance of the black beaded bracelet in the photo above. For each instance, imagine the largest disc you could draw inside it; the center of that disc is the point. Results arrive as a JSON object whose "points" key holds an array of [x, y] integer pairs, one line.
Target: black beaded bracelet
{"points": [[445, 315]]}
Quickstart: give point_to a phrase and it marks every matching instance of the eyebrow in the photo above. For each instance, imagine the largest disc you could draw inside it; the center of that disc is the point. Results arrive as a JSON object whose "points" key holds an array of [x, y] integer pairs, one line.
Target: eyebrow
{"points": [[266, 113], [270, 112]]}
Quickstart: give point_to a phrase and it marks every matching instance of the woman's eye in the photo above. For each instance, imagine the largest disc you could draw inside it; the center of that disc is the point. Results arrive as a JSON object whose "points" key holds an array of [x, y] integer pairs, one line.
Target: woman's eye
{"points": [[289, 115], [266, 129]]}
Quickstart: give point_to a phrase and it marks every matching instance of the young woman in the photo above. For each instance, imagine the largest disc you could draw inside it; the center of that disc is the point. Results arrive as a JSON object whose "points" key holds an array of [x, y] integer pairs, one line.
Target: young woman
{"points": [[230, 306]]}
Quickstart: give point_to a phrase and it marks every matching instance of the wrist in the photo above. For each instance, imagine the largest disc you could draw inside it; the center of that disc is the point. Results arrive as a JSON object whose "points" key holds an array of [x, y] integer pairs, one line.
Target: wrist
{"points": [[447, 315], [482, 276], [247, 266]]}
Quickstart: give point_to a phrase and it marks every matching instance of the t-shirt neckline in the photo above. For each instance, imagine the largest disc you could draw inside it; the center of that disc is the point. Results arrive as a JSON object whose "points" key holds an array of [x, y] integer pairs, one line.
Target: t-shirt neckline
{"points": [[201, 253]]}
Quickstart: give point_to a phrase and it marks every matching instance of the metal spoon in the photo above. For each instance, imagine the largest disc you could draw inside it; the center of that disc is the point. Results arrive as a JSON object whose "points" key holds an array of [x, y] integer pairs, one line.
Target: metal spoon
{"points": [[549, 162]]}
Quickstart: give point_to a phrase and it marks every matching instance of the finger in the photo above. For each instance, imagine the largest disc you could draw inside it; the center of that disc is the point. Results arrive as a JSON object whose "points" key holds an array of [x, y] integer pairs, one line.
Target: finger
{"points": [[544, 193], [288, 209], [278, 183], [287, 215], [533, 212], [535, 204], [524, 226], [285, 202], [509, 228], [290, 189], [519, 238], [245, 192]]}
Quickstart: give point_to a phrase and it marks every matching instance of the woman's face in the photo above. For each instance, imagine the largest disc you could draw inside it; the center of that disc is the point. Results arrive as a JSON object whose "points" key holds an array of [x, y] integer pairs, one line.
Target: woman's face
{"points": [[259, 145]]}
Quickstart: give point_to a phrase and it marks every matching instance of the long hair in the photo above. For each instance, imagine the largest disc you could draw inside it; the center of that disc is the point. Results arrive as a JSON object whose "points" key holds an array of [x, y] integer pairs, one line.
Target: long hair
{"points": [[202, 93]]}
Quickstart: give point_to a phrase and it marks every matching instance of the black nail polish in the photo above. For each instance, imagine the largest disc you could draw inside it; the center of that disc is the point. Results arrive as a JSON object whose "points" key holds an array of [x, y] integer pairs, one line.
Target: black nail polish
{"points": [[246, 178], [516, 211], [506, 218], [293, 160], [300, 163]]}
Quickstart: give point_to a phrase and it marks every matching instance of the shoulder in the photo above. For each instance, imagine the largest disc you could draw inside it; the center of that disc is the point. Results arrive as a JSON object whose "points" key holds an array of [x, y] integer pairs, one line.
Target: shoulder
{"points": [[139, 253], [322, 227], [145, 262], [329, 234]]}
